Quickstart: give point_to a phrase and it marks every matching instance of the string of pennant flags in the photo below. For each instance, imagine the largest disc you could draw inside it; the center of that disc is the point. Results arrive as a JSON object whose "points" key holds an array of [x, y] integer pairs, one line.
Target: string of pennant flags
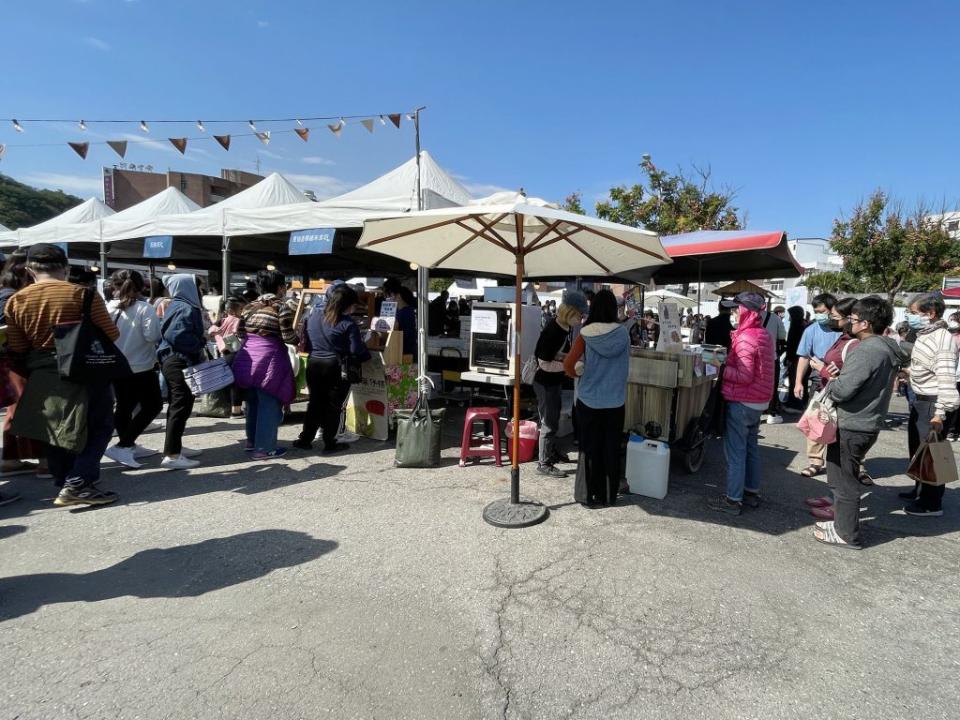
{"points": [[368, 122]]}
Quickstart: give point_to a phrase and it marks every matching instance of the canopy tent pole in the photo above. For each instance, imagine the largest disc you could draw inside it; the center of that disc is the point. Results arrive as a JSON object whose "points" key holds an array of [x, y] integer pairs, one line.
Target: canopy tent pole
{"points": [[103, 260], [516, 513], [225, 268], [699, 281], [151, 274], [423, 284]]}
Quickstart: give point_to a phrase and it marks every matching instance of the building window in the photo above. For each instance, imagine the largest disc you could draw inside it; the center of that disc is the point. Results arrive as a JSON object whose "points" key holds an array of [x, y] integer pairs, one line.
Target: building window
{"points": [[775, 285], [953, 226], [183, 183]]}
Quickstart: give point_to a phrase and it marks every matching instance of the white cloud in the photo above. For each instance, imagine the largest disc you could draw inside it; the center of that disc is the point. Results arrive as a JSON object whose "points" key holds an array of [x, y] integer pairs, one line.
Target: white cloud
{"points": [[262, 24], [271, 154], [325, 186], [85, 184], [316, 160], [97, 43]]}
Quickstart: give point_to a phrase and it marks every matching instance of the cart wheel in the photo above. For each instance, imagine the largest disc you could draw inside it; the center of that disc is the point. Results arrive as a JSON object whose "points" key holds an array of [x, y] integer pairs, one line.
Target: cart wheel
{"points": [[693, 458]]}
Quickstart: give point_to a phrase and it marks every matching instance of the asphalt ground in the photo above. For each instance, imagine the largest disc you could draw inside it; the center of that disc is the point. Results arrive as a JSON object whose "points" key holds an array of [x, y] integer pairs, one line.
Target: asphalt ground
{"points": [[343, 587]]}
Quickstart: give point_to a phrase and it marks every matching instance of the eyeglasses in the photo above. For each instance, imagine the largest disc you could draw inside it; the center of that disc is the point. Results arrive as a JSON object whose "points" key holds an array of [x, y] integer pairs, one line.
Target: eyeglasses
{"points": [[855, 320]]}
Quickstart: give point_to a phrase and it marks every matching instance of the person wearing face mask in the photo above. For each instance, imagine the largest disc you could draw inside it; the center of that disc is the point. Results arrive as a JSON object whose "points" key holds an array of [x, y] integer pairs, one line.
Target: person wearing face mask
{"points": [[834, 360], [953, 419], [747, 386], [933, 381], [552, 347], [861, 393], [817, 339]]}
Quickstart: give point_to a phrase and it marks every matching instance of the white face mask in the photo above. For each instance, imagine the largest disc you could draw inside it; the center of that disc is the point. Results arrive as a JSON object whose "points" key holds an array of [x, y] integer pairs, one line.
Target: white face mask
{"points": [[953, 325], [735, 319]]}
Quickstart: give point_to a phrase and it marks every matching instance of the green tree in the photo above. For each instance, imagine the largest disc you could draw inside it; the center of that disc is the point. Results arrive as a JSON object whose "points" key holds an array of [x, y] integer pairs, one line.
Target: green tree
{"points": [[439, 284], [887, 250], [573, 203], [671, 203], [23, 206]]}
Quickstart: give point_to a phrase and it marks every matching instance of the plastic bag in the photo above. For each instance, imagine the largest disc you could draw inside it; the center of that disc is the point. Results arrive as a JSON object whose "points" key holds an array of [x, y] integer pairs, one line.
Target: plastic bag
{"points": [[819, 421]]}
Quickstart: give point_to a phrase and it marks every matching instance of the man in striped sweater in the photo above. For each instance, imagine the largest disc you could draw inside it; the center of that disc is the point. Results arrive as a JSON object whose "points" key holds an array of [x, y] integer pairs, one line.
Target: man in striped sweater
{"points": [[933, 380], [32, 314]]}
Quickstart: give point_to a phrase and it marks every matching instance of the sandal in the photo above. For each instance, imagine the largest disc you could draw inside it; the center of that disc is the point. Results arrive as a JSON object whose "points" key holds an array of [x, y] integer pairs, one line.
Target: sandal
{"points": [[812, 471], [864, 478], [819, 502], [826, 533]]}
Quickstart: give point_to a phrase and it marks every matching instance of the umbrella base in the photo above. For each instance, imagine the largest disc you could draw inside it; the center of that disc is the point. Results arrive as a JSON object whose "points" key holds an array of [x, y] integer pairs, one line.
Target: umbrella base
{"points": [[505, 514]]}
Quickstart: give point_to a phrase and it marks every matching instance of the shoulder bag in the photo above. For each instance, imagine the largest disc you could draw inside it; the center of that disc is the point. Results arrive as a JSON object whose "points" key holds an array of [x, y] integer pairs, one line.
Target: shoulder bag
{"points": [[85, 353]]}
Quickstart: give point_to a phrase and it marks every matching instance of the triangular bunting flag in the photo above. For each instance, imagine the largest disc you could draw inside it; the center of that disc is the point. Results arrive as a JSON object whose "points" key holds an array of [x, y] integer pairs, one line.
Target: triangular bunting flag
{"points": [[304, 133], [80, 148], [118, 146], [180, 144], [263, 137], [395, 118], [3, 149], [337, 127], [368, 124], [224, 141]]}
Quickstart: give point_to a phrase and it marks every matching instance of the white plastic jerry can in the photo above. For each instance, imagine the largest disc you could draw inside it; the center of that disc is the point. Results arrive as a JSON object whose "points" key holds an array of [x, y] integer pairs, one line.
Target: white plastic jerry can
{"points": [[648, 466]]}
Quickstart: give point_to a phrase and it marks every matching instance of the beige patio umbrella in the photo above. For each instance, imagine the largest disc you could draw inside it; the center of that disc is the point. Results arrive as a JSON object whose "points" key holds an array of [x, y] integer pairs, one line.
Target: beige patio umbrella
{"points": [[740, 286], [524, 238]]}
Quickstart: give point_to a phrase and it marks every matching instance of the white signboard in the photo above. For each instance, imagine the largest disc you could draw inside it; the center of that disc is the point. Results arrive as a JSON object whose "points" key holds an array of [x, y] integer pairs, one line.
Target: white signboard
{"points": [[796, 296], [388, 315], [484, 322], [670, 339]]}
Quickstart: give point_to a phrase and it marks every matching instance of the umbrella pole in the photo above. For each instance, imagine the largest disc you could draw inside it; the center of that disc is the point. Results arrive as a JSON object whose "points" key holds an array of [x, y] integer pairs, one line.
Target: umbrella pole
{"points": [[517, 512]]}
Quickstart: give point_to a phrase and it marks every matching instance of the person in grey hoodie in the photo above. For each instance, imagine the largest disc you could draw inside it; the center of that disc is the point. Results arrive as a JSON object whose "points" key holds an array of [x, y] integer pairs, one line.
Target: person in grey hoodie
{"points": [[861, 394], [182, 342], [604, 346]]}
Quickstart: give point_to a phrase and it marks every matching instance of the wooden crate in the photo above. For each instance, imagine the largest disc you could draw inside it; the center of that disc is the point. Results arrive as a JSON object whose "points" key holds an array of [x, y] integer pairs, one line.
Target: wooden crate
{"points": [[686, 363], [646, 403]]}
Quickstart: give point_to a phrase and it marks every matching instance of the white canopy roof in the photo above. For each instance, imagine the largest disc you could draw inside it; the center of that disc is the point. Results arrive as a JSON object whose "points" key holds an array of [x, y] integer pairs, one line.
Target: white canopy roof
{"points": [[56, 229], [396, 192]]}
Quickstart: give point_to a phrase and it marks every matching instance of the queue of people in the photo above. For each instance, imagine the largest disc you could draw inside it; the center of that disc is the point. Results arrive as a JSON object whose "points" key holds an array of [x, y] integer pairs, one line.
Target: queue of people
{"points": [[67, 422]]}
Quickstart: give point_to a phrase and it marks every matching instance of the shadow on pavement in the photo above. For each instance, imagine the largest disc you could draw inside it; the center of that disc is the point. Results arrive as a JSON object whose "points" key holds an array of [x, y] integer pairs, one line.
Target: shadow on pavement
{"points": [[11, 530], [175, 572]]}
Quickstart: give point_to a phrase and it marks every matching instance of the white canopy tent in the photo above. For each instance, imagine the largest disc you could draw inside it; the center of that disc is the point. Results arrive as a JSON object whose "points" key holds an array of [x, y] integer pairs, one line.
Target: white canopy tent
{"points": [[57, 229]]}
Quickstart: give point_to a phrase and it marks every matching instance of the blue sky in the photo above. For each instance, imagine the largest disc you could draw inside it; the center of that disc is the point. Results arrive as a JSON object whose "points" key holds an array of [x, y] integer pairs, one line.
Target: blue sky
{"points": [[803, 108]]}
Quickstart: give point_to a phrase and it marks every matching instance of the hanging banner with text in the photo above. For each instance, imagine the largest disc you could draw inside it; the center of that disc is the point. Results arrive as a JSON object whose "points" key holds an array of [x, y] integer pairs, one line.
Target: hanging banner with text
{"points": [[318, 241], [158, 246]]}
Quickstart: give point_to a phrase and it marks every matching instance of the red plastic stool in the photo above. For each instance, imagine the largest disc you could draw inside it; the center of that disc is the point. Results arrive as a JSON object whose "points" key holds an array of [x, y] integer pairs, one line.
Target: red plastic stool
{"points": [[480, 445]]}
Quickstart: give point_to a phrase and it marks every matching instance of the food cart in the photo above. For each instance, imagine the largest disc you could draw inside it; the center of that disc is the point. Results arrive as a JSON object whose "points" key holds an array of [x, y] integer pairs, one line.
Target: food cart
{"points": [[667, 394]]}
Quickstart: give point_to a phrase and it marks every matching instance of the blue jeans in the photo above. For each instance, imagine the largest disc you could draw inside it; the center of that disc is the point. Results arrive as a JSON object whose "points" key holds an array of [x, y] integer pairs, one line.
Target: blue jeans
{"points": [[83, 468], [741, 451], [264, 415]]}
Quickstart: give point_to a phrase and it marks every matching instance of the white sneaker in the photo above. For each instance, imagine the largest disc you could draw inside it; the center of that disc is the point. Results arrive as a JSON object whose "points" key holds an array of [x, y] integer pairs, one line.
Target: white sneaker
{"points": [[178, 463], [154, 427], [124, 456], [189, 452], [345, 437], [774, 420], [139, 451]]}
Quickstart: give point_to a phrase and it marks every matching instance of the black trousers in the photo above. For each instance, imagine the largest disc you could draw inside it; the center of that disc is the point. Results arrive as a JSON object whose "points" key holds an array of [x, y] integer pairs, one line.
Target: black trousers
{"points": [[328, 391], [138, 403], [844, 458], [599, 465], [793, 365], [181, 402], [921, 411], [774, 407]]}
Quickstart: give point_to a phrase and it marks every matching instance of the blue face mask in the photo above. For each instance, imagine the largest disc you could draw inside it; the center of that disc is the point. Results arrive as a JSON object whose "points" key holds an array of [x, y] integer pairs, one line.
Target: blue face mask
{"points": [[823, 319], [917, 322]]}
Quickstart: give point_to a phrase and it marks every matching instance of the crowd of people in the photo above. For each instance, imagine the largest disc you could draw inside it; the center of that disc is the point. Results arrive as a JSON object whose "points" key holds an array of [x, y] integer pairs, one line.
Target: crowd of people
{"points": [[57, 427], [847, 349], [162, 329]]}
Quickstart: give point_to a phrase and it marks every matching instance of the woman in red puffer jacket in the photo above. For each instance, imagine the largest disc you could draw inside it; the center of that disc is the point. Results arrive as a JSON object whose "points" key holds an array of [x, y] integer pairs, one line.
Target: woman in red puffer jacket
{"points": [[747, 388]]}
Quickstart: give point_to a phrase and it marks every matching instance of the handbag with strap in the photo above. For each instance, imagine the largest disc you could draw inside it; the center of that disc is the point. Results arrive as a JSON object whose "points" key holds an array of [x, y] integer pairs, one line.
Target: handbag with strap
{"points": [[209, 376], [419, 434], [934, 462], [85, 353], [819, 421]]}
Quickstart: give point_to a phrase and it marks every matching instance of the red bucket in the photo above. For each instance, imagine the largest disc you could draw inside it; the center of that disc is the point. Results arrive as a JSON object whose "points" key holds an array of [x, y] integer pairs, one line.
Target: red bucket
{"points": [[529, 440]]}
